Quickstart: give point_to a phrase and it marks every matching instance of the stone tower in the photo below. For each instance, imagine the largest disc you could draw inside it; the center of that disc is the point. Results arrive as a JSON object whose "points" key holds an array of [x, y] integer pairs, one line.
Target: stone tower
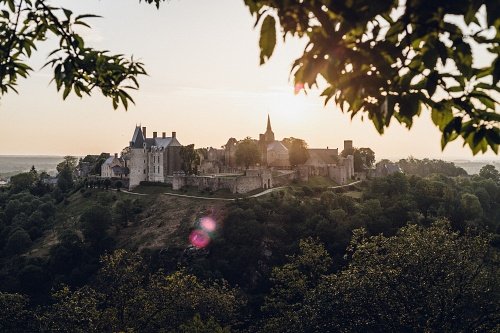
{"points": [[266, 139], [138, 164]]}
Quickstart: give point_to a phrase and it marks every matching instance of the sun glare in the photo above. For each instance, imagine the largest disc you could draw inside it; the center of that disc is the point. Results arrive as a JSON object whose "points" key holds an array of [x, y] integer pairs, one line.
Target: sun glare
{"points": [[286, 105]]}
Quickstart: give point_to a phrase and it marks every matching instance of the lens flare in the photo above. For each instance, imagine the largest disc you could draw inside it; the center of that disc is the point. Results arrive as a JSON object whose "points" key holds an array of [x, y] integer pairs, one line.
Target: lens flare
{"points": [[208, 224], [199, 238]]}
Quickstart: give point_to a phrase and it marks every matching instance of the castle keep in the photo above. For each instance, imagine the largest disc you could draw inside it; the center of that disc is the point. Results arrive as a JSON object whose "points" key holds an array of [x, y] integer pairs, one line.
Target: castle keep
{"points": [[152, 159]]}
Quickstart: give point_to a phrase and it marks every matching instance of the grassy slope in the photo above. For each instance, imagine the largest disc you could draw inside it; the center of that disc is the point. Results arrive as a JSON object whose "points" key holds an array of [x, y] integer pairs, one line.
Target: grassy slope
{"points": [[165, 221]]}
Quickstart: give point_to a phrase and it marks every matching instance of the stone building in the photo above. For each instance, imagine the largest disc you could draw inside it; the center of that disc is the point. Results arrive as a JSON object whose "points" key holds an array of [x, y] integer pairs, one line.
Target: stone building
{"points": [[153, 159], [328, 163], [114, 167]]}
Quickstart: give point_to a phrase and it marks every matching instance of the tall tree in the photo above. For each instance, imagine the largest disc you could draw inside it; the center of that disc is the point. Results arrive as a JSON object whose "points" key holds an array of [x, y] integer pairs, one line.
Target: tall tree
{"points": [[190, 159], [23, 181], [70, 161], [247, 152], [297, 150], [65, 177], [363, 157], [490, 172]]}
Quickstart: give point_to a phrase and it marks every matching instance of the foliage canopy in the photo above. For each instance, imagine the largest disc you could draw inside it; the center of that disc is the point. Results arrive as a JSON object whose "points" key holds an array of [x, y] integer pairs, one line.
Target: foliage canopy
{"points": [[25, 24], [247, 152], [392, 59]]}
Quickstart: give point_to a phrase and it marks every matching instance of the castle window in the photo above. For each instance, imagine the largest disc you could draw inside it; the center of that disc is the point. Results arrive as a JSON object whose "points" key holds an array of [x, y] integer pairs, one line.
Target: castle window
{"points": [[158, 169], [144, 171]]}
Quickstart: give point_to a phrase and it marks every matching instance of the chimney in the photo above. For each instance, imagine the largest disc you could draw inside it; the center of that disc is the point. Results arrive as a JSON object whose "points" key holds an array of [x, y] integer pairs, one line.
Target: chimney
{"points": [[173, 134], [155, 134], [144, 131], [164, 135]]}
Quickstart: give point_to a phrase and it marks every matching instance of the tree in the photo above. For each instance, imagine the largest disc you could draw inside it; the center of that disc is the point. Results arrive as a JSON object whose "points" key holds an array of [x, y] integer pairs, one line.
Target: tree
{"points": [[69, 161], [368, 156], [65, 178], [190, 159], [107, 183], [95, 221], [247, 152], [22, 182], [292, 282], [490, 172], [19, 241], [297, 150], [363, 157], [77, 67], [427, 167], [421, 280], [127, 298], [393, 58], [15, 316]]}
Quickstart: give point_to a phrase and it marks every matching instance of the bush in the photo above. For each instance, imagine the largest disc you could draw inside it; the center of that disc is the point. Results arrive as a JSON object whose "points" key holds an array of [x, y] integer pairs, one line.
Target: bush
{"points": [[95, 221], [307, 191], [19, 241]]}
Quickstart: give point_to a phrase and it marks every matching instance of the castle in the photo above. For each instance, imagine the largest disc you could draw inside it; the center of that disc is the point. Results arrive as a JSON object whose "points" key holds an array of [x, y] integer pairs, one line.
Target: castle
{"points": [[275, 155], [152, 159], [158, 159]]}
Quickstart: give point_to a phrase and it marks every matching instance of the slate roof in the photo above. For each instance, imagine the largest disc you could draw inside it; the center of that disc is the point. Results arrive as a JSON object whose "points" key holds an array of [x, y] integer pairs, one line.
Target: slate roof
{"points": [[277, 146], [138, 140], [109, 160]]}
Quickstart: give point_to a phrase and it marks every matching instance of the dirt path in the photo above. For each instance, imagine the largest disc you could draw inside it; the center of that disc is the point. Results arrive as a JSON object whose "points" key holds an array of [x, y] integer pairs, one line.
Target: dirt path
{"points": [[233, 199]]}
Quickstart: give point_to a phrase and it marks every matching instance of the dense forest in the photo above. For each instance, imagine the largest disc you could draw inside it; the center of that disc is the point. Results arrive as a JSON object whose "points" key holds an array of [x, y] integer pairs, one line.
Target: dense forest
{"points": [[404, 253]]}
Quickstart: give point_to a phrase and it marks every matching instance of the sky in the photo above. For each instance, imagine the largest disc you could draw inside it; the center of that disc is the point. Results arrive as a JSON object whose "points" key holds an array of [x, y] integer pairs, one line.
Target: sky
{"points": [[204, 82]]}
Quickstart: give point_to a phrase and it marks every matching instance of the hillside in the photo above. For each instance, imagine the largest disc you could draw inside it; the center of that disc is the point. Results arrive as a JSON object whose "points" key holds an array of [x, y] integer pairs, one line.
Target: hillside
{"points": [[67, 253], [164, 220]]}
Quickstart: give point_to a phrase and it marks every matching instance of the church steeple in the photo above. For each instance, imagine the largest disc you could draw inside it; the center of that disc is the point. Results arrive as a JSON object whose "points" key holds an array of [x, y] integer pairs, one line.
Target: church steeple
{"points": [[269, 135]]}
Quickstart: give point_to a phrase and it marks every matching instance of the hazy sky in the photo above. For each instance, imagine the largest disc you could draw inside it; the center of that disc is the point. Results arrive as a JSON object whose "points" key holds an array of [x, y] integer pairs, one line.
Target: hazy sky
{"points": [[204, 82]]}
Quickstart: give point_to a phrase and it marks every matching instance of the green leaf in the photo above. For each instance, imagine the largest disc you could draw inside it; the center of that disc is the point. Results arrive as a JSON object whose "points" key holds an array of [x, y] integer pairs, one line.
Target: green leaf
{"points": [[67, 13], [485, 99], [431, 83], [66, 92], [267, 41]]}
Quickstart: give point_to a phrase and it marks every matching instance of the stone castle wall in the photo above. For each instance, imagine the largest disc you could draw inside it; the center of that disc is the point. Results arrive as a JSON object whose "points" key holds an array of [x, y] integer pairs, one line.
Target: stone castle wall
{"points": [[235, 184]]}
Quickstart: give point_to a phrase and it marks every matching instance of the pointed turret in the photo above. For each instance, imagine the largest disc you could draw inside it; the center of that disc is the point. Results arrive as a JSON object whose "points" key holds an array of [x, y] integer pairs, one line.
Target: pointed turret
{"points": [[269, 135], [138, 138]]}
